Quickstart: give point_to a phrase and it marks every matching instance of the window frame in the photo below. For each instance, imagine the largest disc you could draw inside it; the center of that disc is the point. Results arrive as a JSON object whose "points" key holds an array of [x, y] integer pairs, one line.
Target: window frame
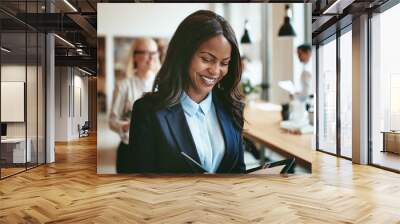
{"points": [[371, 14], [333, 37]]}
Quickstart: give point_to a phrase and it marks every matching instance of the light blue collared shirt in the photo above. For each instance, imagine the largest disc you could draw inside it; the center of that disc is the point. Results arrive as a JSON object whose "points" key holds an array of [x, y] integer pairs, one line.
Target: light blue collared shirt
{"points": [[206, 131]]}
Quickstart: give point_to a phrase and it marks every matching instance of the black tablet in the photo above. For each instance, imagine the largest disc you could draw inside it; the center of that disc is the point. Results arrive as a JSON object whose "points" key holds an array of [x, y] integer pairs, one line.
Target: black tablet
{"points": [[288, 168], [193, 163]]}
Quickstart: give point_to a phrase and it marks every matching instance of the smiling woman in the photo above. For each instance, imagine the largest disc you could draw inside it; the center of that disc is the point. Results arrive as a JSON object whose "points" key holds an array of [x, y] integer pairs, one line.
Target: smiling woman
{"points": [[209, 65], [192, 122]]}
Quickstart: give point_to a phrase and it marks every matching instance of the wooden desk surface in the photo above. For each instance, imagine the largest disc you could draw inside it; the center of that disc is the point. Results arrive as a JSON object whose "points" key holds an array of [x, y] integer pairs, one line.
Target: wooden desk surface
{"points": [[264, 127]]}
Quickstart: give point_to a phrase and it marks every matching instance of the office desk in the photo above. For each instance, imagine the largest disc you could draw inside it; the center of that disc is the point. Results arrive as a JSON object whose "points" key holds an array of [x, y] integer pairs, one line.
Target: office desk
{"points": [[263, 126], [391, 141], [13, 150]]}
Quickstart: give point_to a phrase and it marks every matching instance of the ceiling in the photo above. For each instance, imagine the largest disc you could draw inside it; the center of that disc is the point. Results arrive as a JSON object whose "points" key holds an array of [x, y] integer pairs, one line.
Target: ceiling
{"points": [[328, 16], [76, 22]]}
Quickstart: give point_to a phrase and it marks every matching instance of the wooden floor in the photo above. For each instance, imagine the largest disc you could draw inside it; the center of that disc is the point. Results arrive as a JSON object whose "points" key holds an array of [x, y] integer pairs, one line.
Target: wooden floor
{"points": [[387, 159], [10, 171], [70, 191]]}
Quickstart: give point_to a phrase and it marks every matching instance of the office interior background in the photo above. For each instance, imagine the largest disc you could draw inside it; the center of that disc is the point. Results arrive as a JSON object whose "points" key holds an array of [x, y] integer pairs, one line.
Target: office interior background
{"points": [[49, 76], [48, 82], [269, 57], [358, 82]]}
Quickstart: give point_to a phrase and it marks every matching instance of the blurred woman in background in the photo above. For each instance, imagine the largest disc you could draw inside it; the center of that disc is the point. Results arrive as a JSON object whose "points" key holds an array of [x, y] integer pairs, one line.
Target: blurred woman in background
{"points": [[143, 64]]}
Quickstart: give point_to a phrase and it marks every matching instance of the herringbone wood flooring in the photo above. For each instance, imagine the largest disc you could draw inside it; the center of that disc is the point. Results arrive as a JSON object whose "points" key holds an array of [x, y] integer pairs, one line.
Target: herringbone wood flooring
{"points": [[70, 191]]}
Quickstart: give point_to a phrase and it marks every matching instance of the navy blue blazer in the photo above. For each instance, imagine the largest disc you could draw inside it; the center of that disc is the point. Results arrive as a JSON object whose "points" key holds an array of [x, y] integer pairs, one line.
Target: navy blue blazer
{"points": [[158, 138]]}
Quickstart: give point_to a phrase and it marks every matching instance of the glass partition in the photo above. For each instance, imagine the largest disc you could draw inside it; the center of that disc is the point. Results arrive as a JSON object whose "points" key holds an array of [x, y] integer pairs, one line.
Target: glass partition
{"points": [[22, 77], [41, 111], [327, 97], [13, 114], [31, 98], [346, 94], [385, 89]]}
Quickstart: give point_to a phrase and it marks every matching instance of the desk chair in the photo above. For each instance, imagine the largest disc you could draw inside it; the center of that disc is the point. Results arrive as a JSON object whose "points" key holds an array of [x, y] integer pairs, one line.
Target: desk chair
{"points": [[84, 130]]}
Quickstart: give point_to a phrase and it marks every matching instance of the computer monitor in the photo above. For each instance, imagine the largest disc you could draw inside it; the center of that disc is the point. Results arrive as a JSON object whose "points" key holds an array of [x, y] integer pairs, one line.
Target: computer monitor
{"points": [[3, 129]]}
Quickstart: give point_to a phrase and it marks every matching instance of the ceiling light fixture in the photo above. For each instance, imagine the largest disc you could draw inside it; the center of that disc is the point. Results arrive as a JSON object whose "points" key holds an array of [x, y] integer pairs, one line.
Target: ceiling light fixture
{"points": [[5, 49], [64, 40], [80, 51], [84, 71], [337, 7], [286, 29], [70, 5], [246, 37]]}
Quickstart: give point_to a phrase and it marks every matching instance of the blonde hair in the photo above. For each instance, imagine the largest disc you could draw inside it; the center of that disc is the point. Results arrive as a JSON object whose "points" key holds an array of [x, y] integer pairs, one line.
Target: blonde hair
{"points": [[130, 66]]}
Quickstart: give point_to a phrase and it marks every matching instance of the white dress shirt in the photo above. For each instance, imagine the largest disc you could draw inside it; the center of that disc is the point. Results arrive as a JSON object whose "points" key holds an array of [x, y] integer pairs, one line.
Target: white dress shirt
{"points": [[126, 92], [206, 131]]}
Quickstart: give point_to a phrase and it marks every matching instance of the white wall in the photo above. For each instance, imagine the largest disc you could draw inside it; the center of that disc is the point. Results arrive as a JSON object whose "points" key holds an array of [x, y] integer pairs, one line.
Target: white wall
{"points": [[61, 103], [33, 125], [17, 73], [125, 19], [281, 57], [80, 84], [85, 98], [299, 26], [50, 94], [284, 62], [14, 73], [68, 82], [236, 14]]}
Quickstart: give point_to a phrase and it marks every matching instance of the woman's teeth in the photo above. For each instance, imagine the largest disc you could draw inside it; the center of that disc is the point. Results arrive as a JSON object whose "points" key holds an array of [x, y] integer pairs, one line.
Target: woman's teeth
{"points": [[208, 81]]}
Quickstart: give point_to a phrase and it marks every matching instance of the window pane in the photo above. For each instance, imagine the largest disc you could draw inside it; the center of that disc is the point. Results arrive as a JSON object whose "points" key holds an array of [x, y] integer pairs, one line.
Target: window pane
{"points": [[386, 89], [31, 97], [346, 94], [14, 153], [41, 98], [327, 97], [32, 87]]}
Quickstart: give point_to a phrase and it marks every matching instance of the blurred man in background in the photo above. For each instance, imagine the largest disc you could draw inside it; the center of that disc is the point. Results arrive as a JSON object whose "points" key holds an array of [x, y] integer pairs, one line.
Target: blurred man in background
{"points": [[304, 54]]}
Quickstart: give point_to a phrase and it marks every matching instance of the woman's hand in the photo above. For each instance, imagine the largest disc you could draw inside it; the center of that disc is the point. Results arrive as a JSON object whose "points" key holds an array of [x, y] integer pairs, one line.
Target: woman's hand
{"points": [[125, 126]]}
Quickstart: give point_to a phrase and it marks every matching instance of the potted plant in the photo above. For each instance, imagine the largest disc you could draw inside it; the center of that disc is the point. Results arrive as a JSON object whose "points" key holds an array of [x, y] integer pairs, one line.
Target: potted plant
{"points": [[250, 91]]}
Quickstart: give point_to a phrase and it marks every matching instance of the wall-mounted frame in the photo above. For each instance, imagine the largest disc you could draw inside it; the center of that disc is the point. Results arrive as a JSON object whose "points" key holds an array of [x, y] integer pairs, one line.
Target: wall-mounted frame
{"points": [[12, 98]]}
